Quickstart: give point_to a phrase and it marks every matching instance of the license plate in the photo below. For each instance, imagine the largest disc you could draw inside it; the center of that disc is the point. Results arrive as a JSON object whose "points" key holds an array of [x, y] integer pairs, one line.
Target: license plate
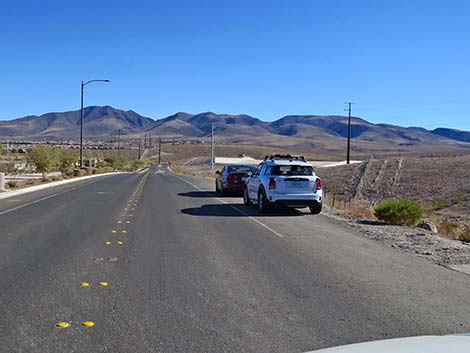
{"points": [[296, 184]]}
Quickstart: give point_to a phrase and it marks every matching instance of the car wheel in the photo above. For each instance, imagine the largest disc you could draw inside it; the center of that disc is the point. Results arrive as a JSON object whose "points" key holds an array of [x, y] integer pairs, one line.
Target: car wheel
{"points": [[217, 190], [246, 198], [263, 205], [315, 209], [223, 192]]}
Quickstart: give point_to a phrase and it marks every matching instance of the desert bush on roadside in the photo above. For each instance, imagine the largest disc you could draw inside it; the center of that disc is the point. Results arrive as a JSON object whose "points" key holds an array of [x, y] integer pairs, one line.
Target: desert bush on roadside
{"points": [[400, 212], [458, 198], [361, 211], [67, 160], [439, 203], [79, 172], [136, 165], [12, 184], [465, 235], [115, 162], [446, 227], [44, 158]]}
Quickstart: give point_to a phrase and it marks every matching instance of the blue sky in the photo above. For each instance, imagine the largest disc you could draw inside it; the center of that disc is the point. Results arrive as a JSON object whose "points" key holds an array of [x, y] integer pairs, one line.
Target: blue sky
{"points": [[402, 62]]}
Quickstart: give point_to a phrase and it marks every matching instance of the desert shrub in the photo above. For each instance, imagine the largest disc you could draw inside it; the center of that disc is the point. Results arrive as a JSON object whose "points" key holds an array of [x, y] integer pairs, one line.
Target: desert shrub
{"points": [[465, 234], [458, 198], [401, 212], [115, 162], [79, 172], [12, 184], [439, 203], [361, 211], [136, 165], [67, 160], [106, 170], [446, 227], [89, 170]]}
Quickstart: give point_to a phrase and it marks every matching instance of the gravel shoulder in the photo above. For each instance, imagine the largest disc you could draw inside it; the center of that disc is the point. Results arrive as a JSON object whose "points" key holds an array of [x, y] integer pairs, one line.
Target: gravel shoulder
{"points": [[419, 242]]}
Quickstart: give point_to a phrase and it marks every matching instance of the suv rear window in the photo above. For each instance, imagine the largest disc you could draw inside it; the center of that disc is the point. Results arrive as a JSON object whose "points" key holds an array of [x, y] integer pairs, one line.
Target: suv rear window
{"points": [[291, 170], [240, 169]]}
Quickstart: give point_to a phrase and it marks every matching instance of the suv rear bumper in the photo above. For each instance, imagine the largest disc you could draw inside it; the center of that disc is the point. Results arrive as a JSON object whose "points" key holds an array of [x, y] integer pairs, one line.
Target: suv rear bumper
{"points": [[297, 203]]}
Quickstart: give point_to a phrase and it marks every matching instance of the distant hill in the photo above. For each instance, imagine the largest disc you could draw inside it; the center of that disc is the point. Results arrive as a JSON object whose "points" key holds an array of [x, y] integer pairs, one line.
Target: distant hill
{"points": [[453, 134], [98, 121], [298, 132]]}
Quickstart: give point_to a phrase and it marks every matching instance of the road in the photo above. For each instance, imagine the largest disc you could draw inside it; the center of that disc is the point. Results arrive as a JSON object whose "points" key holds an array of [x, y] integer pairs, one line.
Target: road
{"points": [[199, 273]]}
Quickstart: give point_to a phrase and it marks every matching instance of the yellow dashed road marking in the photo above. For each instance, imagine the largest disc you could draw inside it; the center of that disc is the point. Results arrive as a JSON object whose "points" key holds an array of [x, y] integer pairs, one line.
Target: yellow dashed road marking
{"points": [[88, 323], [62, 324]]}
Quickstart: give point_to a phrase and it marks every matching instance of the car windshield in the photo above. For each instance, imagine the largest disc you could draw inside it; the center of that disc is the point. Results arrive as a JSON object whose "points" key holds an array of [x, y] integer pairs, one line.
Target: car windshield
{"points": [[240, 169], [292, 170]]}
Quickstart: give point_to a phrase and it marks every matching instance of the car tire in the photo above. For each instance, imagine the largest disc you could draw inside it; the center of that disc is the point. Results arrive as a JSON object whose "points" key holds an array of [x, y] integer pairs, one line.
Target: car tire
{"points": [[217, 190], [263, 203], [246, 198], [315, 209]]}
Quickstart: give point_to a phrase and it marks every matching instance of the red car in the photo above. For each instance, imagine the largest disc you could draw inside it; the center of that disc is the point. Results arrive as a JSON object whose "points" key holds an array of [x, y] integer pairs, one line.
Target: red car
{"points": [[229, 179]]}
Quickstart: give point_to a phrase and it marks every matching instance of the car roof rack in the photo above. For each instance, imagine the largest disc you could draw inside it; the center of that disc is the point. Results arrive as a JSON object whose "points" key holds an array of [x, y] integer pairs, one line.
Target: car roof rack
{"points": [[289, 157]]}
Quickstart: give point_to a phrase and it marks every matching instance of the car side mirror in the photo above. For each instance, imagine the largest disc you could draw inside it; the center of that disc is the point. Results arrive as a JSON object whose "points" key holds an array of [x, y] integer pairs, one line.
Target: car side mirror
{"points": [[217, 172]]}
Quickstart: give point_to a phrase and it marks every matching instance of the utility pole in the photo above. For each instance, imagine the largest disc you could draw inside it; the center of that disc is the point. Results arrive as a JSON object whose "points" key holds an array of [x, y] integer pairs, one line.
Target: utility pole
{"points": [[140, 141], [212, 146], [160, 150], [150, 140], [348, 153], [119, 141], [145, 141]]}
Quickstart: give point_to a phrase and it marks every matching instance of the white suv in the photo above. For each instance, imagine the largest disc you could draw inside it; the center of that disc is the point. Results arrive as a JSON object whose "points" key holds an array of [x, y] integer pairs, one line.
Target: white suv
{"points": [[284, 180]]}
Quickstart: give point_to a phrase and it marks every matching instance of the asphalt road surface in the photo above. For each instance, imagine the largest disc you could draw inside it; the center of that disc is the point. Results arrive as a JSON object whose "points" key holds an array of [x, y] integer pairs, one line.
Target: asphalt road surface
{"points": [[200, 273]]}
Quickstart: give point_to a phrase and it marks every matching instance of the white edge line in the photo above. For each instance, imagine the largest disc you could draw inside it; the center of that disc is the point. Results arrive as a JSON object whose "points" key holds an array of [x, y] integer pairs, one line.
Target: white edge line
{"points": [[34, 188], [46, 197], [235, 208]]}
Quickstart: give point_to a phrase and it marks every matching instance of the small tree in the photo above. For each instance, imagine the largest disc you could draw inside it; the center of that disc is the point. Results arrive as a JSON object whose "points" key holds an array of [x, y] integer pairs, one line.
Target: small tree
{"points": [[67, 160], [44, 158], [115, 162], [401, 212]]}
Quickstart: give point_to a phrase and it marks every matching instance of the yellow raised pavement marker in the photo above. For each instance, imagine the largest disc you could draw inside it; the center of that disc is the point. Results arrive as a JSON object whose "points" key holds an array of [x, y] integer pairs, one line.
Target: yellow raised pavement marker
{"points": [[124, 231], [114, 231], [84, 284], [88, 323], [103, 284], [107, 242], [62, 324], [128, 222], [119, 242], [119, 222]]}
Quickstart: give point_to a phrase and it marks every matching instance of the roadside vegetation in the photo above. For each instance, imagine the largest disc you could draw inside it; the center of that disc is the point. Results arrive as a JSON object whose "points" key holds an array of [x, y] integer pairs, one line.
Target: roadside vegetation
{"points": [[47, 160], [399, 212]]}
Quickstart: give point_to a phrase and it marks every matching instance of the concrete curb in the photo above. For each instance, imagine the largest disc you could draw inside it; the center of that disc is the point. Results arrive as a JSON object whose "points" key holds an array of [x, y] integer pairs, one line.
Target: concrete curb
{"points": [[27, 190]]}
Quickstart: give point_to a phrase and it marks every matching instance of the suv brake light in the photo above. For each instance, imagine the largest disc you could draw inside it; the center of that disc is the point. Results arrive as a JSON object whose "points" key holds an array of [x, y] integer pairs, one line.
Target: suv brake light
{"points": [[272, 183], [318, 183]]}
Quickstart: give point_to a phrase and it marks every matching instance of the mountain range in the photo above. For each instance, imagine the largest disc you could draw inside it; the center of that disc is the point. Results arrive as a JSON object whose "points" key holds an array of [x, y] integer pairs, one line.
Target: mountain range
{"points": [[295, 131]]}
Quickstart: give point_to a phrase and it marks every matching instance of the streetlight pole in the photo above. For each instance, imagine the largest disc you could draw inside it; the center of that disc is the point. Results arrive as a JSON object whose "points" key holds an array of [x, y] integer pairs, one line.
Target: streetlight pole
{"points": [[81, 117]]}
